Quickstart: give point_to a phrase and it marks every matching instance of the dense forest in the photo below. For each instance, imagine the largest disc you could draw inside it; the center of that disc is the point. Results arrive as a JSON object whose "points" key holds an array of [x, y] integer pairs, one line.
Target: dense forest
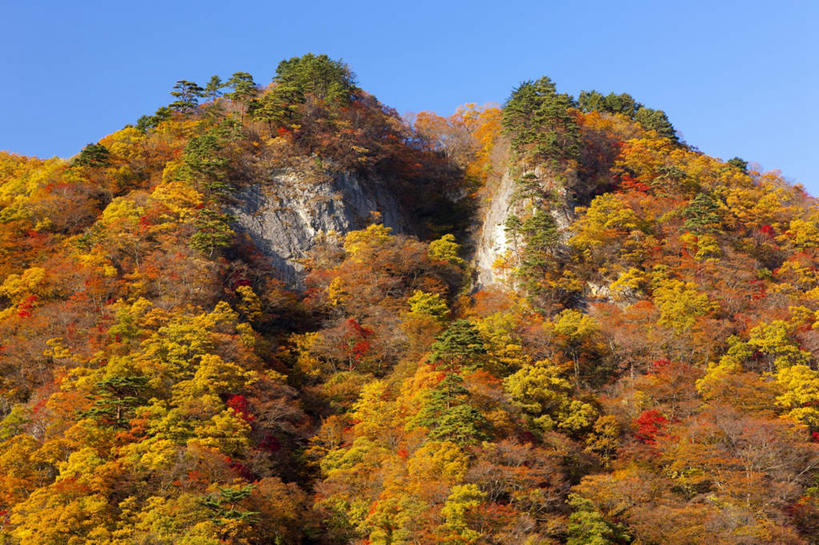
{"points": [[639, 364]]}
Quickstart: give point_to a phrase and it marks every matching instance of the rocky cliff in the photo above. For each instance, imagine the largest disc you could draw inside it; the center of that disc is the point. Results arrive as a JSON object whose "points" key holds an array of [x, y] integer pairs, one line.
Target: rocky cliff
{"points": [[284, 214], [492, 242]]}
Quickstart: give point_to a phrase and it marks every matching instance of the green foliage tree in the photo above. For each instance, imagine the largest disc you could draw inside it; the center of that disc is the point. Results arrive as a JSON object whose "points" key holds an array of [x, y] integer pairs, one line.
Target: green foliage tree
{"points": [[207, 164], [93, 155], [703, 214], [588, 527], [213, 232], [624, 104], [459, 346], [116, 397], [187, 94], [244, 88], [656, 120], [319, 76], [538, 239], [448, 414], [146, 122], [213, 89], [315, 77], [224, 504], [740, 164], [537, 119]]}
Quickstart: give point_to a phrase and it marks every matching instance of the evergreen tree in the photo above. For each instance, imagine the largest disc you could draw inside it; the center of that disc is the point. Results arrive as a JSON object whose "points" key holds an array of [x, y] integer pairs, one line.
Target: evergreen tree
{"points": [[187, 95], [244, 88], [656, 120], [447, 413], [213, 232], [538, 238], [703, 215], [92, 155], [624, 104], [205, 159], [459, 346], [318, 76], [151, 121], [741, 164], [224, 507], [213, 89], [115, 399], [537, 118]]}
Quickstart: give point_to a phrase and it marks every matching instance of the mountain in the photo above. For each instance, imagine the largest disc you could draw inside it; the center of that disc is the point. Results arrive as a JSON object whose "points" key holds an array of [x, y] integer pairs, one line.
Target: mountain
{"points": [[283, 314]]}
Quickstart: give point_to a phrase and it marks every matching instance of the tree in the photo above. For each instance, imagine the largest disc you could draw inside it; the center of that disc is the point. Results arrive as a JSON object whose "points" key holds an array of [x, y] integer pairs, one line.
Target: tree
{"points": [[588, 527], [656, 120], [770, 347], [544, 395], [314, 79], [601, 229], [116, 397], [213, 232], [577, 336], [539, 238], [800, 397], [680, 304], [146, 122], [462, 513], [542, 130], [357, 243], [187, 94], [224, 505], [460, 346], [244, 88], [317, 76], [446, 249], [739, 164], [207, 164], [427, 304], [276, 109], [93, 155], [214, 88], [624, 104], [703, 214], [446, 412]]}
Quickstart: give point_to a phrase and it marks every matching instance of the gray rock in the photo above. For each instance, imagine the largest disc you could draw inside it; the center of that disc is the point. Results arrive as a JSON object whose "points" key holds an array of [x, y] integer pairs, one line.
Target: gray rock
{"points": [[492, 242], [284, 215]]}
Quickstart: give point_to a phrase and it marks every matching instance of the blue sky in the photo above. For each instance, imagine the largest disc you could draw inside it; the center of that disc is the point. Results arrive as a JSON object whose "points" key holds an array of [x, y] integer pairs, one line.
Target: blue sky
{"points": [[736, 78]]}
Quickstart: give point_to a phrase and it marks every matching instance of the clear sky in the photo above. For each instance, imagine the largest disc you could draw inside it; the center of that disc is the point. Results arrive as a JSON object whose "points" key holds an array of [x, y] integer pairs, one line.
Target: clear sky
{"points": [[735, 77]]}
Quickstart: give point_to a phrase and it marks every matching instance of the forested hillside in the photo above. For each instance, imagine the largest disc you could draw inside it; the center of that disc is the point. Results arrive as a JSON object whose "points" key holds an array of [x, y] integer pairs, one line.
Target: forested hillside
{"points": [[565, 326]]}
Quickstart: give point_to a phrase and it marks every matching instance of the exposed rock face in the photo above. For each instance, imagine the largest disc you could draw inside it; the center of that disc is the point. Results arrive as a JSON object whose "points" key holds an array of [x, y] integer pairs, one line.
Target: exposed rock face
{"points": [[284, 215], [492, 241]]}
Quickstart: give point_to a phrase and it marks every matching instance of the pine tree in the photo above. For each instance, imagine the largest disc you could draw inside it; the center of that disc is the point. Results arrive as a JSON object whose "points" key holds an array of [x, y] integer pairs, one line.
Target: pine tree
{"points": [[537, 119], [187, 95], [459, 346]]}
